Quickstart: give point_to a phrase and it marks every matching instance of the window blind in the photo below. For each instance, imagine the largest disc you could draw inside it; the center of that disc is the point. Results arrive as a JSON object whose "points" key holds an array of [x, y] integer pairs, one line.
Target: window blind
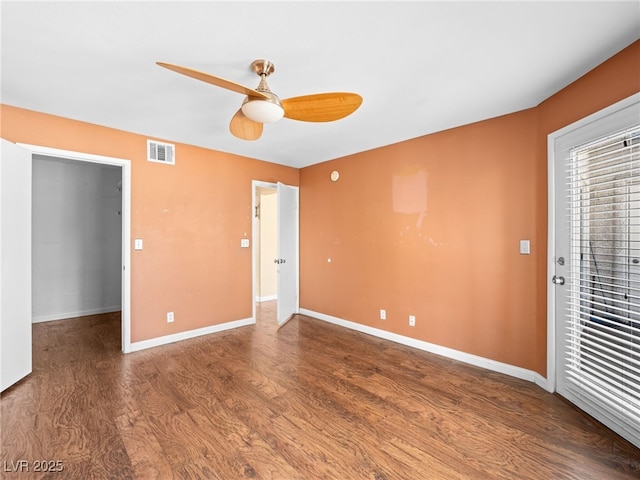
{"points": [[602, 363]]}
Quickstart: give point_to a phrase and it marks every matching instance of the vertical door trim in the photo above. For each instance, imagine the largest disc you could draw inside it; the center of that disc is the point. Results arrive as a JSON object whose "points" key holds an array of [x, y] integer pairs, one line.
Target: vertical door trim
{"points": [[126, 222], [550, 384], [553, 146]]}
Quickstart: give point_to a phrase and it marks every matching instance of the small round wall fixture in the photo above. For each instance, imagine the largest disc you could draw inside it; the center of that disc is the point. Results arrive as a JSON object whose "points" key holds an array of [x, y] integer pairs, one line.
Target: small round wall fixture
{"points": [[335, 175]]}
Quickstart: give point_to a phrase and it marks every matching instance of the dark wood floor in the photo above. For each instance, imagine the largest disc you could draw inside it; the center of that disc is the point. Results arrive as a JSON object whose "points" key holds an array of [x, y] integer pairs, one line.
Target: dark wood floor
{"points": [[309, 401]]}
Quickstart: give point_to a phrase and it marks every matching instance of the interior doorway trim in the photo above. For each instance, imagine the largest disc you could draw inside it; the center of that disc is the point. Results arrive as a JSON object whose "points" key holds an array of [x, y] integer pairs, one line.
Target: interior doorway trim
{"points": [[255, 184], [126, 221]]}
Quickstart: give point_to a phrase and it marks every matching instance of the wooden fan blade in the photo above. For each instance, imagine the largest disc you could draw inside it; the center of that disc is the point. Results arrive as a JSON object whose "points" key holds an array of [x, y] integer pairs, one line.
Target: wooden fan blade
{"points": [[321, 107], [213, 80], [245, 128]]}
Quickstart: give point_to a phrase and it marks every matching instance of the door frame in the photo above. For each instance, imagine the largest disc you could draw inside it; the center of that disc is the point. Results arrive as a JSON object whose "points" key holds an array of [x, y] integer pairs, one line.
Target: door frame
{"points": [[125, 165], [255, 184], [553, 146]]}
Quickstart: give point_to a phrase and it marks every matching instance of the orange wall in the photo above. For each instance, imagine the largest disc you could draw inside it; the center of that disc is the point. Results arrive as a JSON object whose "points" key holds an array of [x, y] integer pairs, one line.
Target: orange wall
{"points": [[191, 217], [431, 227]]}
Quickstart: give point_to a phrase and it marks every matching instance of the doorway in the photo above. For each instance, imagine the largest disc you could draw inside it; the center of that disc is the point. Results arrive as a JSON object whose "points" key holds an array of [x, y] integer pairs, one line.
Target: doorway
{"points": [[76, 239], [266, 238], [106, 238], [275, 247], [594, 253]]}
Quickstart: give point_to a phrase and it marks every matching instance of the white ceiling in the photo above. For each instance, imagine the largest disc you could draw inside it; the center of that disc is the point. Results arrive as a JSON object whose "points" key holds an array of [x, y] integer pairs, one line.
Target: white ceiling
{"points": [[421, 67]]}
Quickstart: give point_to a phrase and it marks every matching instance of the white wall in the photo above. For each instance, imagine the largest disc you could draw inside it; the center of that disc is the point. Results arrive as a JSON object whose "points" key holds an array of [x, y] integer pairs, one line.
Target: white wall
{"points": [[77, 239]]}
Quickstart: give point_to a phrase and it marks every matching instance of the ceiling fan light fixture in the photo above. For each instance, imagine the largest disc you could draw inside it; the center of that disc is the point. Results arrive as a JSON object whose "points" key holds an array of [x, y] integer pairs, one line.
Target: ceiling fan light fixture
{"points": [[262, 110]]}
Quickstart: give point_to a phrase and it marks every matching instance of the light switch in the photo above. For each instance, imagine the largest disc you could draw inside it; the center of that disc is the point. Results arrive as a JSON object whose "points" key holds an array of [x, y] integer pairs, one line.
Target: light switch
{"points": [[525, 247], [137, 244], [244, 243]]}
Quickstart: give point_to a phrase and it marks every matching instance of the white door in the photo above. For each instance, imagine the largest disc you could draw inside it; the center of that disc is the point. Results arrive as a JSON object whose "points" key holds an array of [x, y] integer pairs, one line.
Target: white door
{"points": [[595, 252], [287, 252], [15, 264]]}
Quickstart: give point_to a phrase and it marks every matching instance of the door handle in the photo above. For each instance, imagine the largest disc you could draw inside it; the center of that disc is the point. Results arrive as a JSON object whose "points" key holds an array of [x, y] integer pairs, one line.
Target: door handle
{"points": [[557, 280]]}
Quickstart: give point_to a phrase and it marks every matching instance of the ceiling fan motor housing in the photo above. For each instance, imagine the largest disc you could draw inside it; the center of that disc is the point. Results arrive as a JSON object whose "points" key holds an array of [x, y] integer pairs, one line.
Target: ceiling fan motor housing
{"points": [[263, 110]]}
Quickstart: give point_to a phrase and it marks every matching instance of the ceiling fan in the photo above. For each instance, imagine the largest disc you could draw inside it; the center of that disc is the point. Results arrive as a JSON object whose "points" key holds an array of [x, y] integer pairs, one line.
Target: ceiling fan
{"points": [[263, 106]]}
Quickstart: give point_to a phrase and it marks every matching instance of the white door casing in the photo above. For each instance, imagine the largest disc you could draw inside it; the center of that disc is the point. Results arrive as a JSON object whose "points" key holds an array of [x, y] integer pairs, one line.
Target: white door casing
{"points": [[288, 298], [15, 264], [563, 263], [126, 222]]}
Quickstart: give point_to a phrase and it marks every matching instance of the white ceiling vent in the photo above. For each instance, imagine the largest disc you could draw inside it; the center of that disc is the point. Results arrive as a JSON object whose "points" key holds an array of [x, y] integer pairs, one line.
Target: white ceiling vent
{"points": [[161, 152]]}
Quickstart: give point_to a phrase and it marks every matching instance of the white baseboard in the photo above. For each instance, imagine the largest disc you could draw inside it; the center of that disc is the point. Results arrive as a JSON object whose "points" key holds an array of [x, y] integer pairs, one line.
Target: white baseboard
{"points": [[545, 383], [471, 359], [266, 298], [176, 337], [79, 313]]}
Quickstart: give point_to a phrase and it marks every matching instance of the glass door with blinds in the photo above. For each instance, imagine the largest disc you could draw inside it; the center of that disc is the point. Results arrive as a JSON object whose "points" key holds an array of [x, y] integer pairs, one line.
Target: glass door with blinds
{"points": [[597, 270]]}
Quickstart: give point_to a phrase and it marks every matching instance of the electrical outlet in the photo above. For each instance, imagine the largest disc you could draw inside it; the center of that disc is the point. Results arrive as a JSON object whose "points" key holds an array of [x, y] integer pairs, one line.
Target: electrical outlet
{"points": [[383, 314], [169, 317], [412, 320]]}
